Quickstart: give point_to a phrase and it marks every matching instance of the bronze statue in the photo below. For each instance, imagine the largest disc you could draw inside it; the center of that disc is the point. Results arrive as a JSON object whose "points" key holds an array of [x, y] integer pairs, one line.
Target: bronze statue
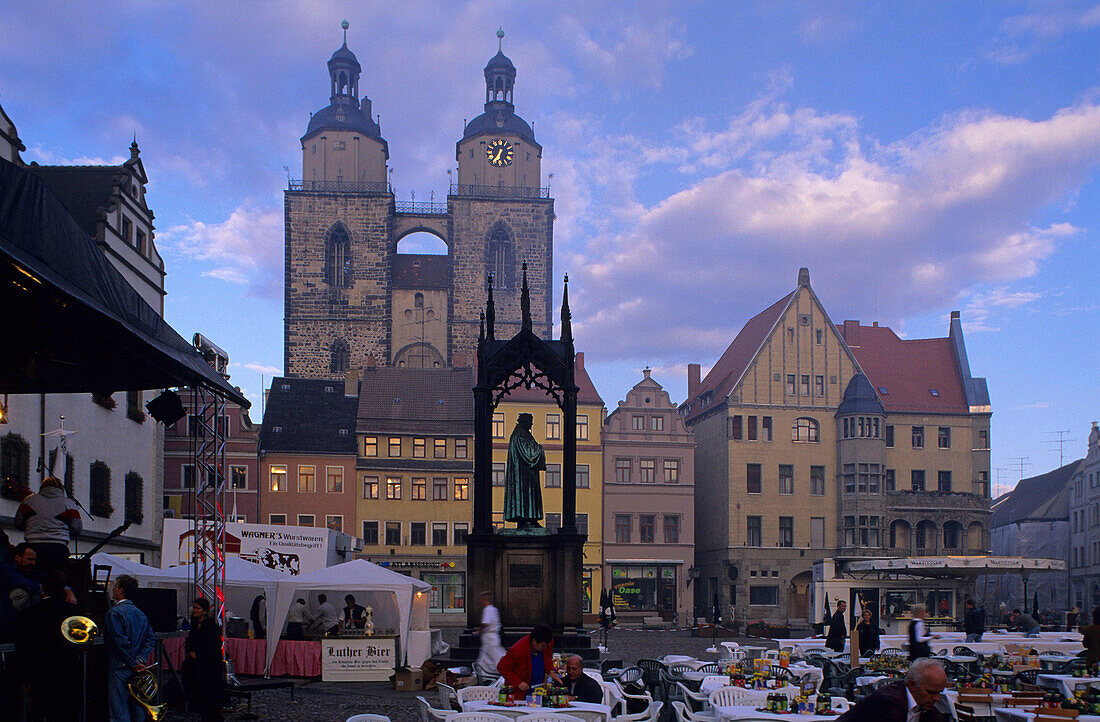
{"points": [[522, 489]]}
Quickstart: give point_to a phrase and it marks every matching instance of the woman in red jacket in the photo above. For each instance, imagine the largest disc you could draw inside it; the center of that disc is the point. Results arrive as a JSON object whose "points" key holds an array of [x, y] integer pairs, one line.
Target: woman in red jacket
{"points": [[529, 661]]}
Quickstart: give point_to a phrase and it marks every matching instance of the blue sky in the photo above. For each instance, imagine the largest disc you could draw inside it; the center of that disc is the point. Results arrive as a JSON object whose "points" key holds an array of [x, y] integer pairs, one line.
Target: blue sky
{"points": [[918, 157]]}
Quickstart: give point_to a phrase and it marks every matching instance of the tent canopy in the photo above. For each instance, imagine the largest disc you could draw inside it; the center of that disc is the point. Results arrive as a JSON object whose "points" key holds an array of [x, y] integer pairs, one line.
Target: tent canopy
{"points": [[73, 324], [359, 575], [957, 566]]}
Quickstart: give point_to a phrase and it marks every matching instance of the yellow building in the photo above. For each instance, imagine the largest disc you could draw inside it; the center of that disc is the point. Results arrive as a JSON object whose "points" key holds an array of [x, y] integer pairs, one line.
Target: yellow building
{"points": [[414, 472], [818, 440], [547, 430]]}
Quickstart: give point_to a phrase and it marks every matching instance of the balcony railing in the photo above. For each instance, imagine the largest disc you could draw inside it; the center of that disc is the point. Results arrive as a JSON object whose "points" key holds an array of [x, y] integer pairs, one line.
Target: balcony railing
{"points": [[499, 191], [341, 186], [421, 209]]}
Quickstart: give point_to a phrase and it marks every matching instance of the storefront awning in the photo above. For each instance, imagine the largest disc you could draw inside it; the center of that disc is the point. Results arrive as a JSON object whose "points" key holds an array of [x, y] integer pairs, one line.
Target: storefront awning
{"points": [[957, 566]]}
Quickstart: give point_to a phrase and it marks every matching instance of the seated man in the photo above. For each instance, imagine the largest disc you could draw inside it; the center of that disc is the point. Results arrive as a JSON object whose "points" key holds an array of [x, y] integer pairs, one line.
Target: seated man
{"points": [[528, 662], [579, 685], [911, 700]]}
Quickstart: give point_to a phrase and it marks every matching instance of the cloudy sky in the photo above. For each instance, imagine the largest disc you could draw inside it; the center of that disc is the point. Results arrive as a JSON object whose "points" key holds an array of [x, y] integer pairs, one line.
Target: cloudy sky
{"points": [[918, 157]]}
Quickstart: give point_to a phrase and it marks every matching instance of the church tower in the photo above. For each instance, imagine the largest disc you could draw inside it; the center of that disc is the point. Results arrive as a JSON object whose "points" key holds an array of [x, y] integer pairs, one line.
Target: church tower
{"points": [[352, 298], [503, 217]]}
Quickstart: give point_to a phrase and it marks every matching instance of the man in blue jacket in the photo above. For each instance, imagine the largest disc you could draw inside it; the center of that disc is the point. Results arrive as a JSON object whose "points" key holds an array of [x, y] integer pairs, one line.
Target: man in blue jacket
{"points": [[129, 642]]}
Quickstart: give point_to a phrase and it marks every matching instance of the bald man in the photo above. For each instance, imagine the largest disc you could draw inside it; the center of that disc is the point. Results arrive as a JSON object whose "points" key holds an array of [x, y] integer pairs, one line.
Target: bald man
{"points": [[578, 685], [913, 700]]}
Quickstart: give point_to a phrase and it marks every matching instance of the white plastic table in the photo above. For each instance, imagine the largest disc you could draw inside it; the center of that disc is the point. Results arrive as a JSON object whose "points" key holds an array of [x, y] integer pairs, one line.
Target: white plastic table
{"points": [[1064, 683], [1022, 714], [730, 714], [590, 711]]}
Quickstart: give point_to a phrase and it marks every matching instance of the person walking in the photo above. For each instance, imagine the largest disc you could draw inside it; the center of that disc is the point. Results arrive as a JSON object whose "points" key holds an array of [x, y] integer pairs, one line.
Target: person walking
{"points": [[203, 667], [918, 634], [1071, 618], [489, 632], [128, 640], [973, 622], [868, 632], [838, 628], [49, 520]]}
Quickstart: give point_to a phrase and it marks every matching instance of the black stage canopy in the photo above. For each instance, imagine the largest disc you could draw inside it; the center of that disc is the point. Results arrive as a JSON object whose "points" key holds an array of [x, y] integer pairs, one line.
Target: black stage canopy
{"points": [[71, 322]]}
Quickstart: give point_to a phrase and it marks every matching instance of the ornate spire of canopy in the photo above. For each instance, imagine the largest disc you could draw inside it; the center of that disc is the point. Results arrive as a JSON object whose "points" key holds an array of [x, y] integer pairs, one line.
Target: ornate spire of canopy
{"points": [[490, 313], [566, 314], [525, 301]]}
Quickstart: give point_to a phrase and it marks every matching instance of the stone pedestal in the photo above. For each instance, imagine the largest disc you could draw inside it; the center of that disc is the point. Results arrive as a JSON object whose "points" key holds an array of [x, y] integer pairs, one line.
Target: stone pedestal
{"points": [[535, 579]]}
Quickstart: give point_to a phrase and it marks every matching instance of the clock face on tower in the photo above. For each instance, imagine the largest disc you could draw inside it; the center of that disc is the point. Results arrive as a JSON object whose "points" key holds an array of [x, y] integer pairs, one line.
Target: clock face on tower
{"points": [[499, 152]]}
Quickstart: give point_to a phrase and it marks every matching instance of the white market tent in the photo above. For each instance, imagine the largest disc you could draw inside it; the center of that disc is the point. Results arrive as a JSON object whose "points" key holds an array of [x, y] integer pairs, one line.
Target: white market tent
{"points": [[243, 581], [948, 566], [399, 602]]}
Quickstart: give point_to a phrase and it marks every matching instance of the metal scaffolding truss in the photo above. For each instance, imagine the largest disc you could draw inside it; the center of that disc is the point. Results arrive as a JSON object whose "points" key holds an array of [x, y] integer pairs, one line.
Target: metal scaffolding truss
{"points": [[207, 424]]}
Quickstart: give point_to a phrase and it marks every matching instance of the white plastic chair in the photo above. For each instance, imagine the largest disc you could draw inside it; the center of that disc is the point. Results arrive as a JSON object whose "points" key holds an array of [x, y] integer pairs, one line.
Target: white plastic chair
{"points": [[479, 694], [484, 676], [548, 717], [448, 698], [643, 697], [649, 714], [694, 699], [613, 696], [431, 714], [683, 714], [478, 717], [593, 673], [729, 696], [368, 718]]}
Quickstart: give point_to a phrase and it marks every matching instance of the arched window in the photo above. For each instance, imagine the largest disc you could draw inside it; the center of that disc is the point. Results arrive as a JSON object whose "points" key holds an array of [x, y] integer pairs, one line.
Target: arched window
{"points": [[805, 429], [338, 257], [100, 482], [899, 534], [500, 259], [925, 536], [952, 535], [15, 466], [135, 495], [418, 300], [340, 356]]}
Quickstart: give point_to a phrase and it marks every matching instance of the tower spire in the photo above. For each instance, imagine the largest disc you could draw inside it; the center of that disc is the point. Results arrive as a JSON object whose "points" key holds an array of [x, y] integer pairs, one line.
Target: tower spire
{"points": [[490, 313], [525, 301], [500, 40], [566, 315], [345, 26]]}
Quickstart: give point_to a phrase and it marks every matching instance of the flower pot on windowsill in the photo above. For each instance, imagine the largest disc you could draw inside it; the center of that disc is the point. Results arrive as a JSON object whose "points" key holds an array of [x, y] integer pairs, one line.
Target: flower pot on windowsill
{"points": [[105, 400], [102, 509], [136, 517], [15, 492]]}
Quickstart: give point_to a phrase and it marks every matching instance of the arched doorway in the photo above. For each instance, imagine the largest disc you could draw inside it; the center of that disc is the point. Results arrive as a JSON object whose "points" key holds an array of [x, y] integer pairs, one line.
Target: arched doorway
{"points": [[798, 601], [901, 535]]}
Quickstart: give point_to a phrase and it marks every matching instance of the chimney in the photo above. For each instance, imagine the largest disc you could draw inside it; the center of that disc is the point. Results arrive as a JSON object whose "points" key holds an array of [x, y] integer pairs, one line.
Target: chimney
{"points": [[694, 381], [955, 316], [351, 383], [851, 333], [804, 277], [579, 363]]}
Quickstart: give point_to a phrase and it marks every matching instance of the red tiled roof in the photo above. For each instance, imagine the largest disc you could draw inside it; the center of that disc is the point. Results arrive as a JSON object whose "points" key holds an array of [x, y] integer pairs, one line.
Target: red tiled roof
{"points": [[740, 353], [907, 369], [586, 395]]}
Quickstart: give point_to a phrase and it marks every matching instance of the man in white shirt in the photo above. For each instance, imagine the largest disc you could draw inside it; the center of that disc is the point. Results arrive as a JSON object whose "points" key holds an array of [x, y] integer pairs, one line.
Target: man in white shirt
{"points": [[297, 620], [327, 617], [489, 631]]}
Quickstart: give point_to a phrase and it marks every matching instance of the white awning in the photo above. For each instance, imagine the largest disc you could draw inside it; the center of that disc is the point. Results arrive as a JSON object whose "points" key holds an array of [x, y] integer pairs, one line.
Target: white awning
{"points": [[957, 566]]}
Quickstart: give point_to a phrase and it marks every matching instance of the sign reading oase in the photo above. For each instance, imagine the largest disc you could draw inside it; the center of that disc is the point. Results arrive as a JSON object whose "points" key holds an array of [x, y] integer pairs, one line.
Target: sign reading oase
{"points": [[357, 659]]}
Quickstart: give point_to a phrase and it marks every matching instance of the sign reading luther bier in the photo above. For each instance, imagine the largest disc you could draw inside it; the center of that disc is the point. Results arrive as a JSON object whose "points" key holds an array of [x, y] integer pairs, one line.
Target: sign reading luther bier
{"points": [[357, 659], [288, 549]]}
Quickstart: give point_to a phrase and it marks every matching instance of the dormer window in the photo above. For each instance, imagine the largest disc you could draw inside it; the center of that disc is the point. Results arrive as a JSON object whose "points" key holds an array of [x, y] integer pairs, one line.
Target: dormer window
{"points": [[934, 392]]}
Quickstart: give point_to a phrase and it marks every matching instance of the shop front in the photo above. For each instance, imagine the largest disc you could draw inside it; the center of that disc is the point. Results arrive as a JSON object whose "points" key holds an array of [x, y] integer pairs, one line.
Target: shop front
{"points": [[447, 599], [644, 588]]}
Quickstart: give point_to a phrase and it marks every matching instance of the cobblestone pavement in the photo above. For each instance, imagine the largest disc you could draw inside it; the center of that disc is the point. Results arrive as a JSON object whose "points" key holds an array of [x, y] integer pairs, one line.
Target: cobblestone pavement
{"points": [[316, 701]]}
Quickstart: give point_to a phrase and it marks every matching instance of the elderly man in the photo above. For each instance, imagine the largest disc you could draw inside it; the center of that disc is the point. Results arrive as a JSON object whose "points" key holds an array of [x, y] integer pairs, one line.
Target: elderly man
{"points": [[912, 700], [579, 685]]}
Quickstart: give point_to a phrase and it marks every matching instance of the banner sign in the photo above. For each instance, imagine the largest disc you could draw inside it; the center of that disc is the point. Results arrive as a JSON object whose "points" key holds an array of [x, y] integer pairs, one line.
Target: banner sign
{"points": [[357, 659], [289, 549]]}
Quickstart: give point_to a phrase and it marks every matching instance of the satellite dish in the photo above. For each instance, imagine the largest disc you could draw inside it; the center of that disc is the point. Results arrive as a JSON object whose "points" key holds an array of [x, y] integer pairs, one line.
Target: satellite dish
{"points": [[732, 573]]}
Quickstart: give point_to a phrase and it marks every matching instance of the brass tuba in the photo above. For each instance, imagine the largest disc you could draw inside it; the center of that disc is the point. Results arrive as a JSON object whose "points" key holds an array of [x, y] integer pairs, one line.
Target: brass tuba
{"points": [[79, 630], [143, 688]]}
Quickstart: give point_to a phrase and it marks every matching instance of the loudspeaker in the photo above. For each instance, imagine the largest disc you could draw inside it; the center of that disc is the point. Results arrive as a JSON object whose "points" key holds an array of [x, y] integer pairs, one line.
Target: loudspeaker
{"points": [[160, 606], [166, 408]]}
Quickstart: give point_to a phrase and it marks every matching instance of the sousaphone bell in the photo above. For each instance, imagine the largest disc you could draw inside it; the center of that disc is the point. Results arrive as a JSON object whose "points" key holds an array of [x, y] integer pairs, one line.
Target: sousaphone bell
{"points": [[79, 630]]}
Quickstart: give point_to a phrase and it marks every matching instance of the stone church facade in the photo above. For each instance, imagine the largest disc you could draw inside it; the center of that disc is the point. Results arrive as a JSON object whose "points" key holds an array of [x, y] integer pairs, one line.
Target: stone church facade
{"points": [[351, 298]]}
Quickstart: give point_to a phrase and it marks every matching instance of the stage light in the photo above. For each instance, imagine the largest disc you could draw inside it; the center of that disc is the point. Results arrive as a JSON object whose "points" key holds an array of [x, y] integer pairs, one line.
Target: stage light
{"points": [[166, 408]]}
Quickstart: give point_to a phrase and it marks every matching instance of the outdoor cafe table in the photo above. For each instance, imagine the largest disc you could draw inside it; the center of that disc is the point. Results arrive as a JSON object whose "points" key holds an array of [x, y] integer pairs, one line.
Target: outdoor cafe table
{"points": [[952, 696], [1064, 683], [718, 682], [1022, 714], [731, 714], [590, 711]]}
